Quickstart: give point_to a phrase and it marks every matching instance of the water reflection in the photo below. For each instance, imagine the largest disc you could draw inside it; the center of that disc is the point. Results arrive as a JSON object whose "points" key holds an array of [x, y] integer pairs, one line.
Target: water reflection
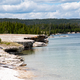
{"points": [[59, 60], [28, 52], [41, 49], [34, 50]]}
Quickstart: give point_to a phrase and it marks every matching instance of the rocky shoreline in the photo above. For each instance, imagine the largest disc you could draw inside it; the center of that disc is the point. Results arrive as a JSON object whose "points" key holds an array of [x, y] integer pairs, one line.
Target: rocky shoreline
{"points": [[14, 63]]}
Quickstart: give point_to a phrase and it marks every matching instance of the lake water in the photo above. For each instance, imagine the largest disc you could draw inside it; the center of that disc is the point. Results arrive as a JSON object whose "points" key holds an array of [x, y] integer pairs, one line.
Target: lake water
{"points": [[59, 60]]}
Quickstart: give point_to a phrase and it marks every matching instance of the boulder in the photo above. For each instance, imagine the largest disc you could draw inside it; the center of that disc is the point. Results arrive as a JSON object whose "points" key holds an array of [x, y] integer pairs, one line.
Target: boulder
{"points": [[39, 44]]}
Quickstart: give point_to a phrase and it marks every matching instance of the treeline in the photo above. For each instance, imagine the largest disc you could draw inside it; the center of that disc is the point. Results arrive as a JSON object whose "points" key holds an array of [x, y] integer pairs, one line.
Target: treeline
{"points": [[60, 28], [18, 28], [51, 28], [41, 21]]}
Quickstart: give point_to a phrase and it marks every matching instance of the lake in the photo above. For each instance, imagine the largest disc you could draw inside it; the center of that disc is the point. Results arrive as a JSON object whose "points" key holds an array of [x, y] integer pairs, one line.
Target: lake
{"points": [[59, 60]]}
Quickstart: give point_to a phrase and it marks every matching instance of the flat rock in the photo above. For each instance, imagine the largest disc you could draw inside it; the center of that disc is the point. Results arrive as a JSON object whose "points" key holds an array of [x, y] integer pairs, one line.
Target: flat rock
{"points": [[39, 44]]}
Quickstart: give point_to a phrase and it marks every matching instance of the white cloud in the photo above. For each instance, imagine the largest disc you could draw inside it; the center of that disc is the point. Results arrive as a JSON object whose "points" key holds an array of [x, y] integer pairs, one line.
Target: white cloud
{"points": [[28, 9], [71, 6]]}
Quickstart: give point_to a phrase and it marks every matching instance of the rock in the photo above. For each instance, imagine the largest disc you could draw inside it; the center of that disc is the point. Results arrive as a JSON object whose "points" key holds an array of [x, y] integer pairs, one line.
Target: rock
{"points": [[38, 38], [18, 38], [27, 43], [2, 59], [39, 44], [23, 64], [19, 64], [10, 60], [46, 41], [1, 48]]}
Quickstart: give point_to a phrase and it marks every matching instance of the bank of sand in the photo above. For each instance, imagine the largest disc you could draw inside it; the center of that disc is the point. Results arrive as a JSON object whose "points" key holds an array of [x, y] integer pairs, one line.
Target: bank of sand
{"points": [[11, 74]]}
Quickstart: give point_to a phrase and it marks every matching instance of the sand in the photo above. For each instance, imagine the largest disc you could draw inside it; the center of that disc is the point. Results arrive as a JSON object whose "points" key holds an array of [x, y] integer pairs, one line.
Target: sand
{"points": [[8, 74]]}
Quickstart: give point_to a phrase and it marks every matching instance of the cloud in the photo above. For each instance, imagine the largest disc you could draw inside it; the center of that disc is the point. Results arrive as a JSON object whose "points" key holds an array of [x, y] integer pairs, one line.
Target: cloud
{"points": [[15, 2], [10, 2], [52, 1], [71, 6], [27, 9]]}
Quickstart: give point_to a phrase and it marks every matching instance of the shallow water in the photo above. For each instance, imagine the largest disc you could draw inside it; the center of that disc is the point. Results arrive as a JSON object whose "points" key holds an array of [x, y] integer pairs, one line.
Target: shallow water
{"points": [[59, 60]]}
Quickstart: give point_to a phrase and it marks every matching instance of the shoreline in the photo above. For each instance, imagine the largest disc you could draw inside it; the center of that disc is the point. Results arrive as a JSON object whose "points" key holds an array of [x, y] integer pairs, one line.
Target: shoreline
{"points": [[13, 65]]}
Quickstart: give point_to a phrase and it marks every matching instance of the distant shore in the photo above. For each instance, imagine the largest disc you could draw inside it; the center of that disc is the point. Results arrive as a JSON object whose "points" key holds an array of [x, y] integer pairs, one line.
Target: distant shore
{"points": [[66, 33]]}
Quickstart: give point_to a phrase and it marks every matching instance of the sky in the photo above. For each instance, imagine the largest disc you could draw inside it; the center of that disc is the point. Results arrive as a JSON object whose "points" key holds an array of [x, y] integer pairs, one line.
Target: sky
{"points": [[39, 9]]}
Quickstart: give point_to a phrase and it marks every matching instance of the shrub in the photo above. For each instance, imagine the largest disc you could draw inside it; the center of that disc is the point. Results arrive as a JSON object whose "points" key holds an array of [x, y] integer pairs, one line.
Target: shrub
{"points": [[0, 40]]}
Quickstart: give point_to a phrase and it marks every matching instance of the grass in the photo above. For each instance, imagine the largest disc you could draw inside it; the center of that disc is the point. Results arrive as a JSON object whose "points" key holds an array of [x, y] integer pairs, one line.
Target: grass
{"points": [[10, 44], [6, 43]]}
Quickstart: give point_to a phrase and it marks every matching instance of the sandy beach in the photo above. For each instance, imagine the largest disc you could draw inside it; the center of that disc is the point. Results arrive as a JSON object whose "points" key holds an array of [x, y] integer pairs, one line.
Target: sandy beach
{"points": [[9, 74]]}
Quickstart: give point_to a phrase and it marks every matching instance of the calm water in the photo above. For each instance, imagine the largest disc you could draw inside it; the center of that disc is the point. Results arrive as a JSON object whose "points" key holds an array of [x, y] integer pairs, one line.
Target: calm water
{"points": [[60, 60]]}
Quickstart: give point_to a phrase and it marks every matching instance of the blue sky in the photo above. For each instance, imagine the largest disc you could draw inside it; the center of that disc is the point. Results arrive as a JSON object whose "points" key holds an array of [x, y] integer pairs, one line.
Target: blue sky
{"points": [[39, 9]]}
